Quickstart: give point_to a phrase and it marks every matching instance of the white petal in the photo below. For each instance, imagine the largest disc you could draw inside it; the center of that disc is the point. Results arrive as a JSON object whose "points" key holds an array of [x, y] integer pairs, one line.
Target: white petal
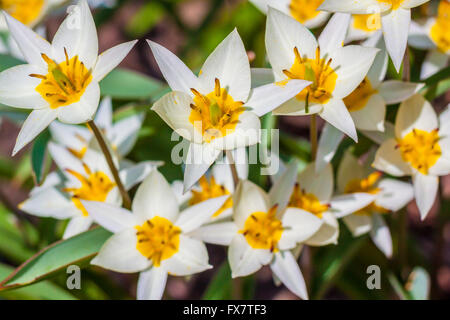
{"points": [[381, 235], [49, 202], [335, 112], [83, 110], [243, 259], [228, 63], [413, 3], [415, 113], [283, 34], [30, 43], [78, 35], [110, 59], [104, 116], [151, 284], [195, 216], [216, 233], [125, 133], [394, 91], [199, 158], [328, 233], [119, 254], [320, 184], [442, 165], [295, 107], [268, 97], [394, 194], [36, 122], [418, 36], [64, 159], [286, 268], [178, 76], [352, 6], [261, 76], [70, 136], [333, 35], [351, 64], [135, 174], [18, 89], [77, 225], [191, 258], [154, 197], [349, 169], [317, 21], [174, 109], [395, 26], [299, 225], [358, 224], [247, 199], [434, 62], [425, 191], [110, 217], [328, 143], [377, 71], [346, 204], [281, 191], [371, 117], [389, 159], [378, 136]]}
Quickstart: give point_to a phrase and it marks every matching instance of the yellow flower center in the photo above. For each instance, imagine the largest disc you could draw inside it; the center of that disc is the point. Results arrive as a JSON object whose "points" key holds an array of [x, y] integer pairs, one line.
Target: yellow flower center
{"points": [[263, 230], [439, 32], [216, 114], [367, 22], [210, 189], [307, 201], [420, 149], [26, 11], [94, 187], [367, 185], [357, 100], [65, 83], [394, 3], [304, 10], [158, 239], [319, 72]]}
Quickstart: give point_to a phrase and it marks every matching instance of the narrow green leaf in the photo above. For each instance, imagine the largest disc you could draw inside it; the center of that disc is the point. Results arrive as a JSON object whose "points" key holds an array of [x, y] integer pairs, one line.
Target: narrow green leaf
{"points": [[56, 257], [38, 156], [6, 62], [418, 285], [220, 286]]}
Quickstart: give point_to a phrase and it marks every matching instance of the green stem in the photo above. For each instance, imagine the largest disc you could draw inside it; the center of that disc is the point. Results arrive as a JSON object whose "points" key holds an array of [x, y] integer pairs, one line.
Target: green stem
{"points": [[313, 136], [234, 172], [101, 141]]}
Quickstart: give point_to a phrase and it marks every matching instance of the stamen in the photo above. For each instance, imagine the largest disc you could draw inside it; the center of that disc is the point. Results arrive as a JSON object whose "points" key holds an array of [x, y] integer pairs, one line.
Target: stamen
{"points": [[39, 76], [67, 56], [217, 87]]}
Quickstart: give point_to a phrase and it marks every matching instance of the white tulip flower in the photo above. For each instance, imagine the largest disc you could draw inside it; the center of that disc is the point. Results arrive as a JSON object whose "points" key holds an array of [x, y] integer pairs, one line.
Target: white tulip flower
{"points": [[61, 194], [391, 196], [433, 35], [61, 79], [121, 135], [218, 110], [153, 239], [304, 11], [395, 20], [363, 26], [335, 71], [420, 148]]}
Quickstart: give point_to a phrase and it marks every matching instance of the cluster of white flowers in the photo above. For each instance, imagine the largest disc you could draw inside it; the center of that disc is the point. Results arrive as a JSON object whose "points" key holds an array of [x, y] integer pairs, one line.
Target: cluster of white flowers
{"points": [[218, 112]]}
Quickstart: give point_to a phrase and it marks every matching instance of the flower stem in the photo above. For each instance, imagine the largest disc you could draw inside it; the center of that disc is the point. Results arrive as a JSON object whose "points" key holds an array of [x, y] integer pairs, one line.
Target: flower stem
{"points": [[101, 141], [233, 168], [406, 67], [313, 136]]}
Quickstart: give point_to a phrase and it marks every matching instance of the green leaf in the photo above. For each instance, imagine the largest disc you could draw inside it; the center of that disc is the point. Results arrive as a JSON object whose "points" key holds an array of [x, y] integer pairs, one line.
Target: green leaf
{"points": [[78, 250], [418, 285], [145, 19], [40, 291], [220, 286], [128, 85], [6, 62], [38, 156]]}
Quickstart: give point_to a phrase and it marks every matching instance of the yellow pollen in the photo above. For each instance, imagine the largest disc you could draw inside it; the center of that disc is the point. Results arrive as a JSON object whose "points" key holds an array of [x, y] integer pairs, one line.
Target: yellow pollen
{"points": [[319, 72], [263, 230], [367, 22], [395, 4], [78, 153], [358, 99], [210, 189], [420, 149], [304, 10], [26, 11], [157, 239], [65, 83], [307, 201], [367, 185], [439, 32], [216, 114], [95, 186]]}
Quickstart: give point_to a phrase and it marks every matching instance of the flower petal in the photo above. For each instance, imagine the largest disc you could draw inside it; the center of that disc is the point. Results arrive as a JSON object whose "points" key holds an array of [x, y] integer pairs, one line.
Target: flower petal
{"points": [[394, 194], [199, 158], [261, 76], [49, 202], [358, 224], [329, 141], [320, 184], [389, 159], [335, 112], [299, 225], [333, 35], [125, 133], [349, 169], [177, 74], [328, 233], [381, 235], [110, 59], [285, 267], [355, 7], [247, 199], [281, 190], [151, 284], [133, 175], [70, 136], [83, 110], [346, 204], [394, 91], [77, 225], [371, 117], [413, 3], [110, 217], [434, 62], [295, 107], [36, 122], [418, 36], [425, 191], [378, 136], [216, 233], [104, 116]]}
